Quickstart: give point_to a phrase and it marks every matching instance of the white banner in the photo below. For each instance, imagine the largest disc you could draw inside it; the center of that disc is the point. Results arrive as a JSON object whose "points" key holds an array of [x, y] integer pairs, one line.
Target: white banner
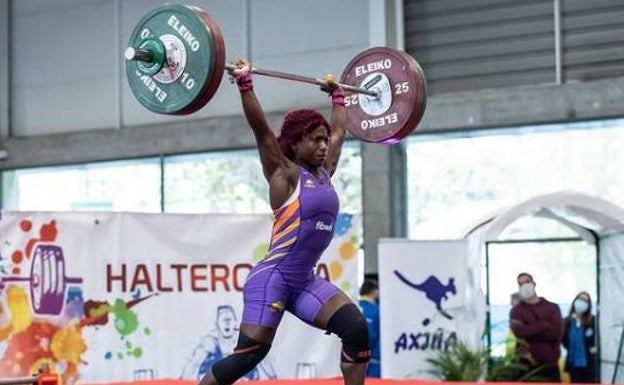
{"points": [[421, 302], [119, 297]]}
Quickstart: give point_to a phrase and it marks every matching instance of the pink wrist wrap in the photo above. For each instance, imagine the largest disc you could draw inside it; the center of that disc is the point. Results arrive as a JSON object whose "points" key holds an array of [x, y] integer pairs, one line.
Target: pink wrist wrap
{"points": [[244, 81], [338, 97]]}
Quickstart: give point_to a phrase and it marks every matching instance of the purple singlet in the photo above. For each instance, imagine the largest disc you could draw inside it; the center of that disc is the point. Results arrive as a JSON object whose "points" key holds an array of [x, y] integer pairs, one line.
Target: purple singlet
{"points": [[285, 279]]}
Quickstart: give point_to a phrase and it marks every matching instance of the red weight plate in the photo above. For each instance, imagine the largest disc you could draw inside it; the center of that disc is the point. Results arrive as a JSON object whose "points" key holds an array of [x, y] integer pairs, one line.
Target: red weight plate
{"points": [[402, 95], [217, 62]]}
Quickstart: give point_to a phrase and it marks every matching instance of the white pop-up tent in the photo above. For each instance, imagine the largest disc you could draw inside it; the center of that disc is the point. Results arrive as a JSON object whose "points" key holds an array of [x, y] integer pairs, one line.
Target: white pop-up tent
{"points": [[596, 221]]}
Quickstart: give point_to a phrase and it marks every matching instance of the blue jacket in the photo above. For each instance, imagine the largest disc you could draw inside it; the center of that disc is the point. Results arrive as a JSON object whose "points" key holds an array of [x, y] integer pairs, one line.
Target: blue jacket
{"points": [[589, 341], [371, 313]]}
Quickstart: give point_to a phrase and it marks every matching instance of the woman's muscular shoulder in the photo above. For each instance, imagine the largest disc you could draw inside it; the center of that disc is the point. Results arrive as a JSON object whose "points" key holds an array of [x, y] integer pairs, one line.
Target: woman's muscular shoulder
{"points": [[282, 184]]}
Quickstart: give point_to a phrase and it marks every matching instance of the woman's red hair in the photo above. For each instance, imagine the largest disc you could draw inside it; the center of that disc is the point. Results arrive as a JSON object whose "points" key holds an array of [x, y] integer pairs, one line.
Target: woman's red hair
{"points": [[296, 125]]}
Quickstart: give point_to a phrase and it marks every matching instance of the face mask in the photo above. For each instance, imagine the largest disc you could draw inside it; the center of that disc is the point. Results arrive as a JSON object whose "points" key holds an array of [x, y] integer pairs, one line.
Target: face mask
{"points": [[580, 306], [527, 290]]}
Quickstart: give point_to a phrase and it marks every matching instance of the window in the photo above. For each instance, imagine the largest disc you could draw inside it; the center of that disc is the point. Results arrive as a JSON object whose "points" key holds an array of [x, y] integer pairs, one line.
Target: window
{"points": [[130, 185], [219, 182], [348, 178], [233, 182], [456, 179], [215, 182]]}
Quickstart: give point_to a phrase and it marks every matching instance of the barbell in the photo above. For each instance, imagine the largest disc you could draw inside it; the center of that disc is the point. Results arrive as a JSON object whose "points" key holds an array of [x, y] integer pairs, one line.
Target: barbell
{"points": [[175, 62]]}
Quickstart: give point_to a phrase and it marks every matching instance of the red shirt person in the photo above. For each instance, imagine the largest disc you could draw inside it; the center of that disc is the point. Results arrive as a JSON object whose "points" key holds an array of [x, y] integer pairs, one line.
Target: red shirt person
{"points": [[538, 327]]}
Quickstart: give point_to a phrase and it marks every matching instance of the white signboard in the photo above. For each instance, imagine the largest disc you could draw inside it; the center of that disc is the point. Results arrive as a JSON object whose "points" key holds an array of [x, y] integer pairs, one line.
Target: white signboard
{"points": [[422, 299]]}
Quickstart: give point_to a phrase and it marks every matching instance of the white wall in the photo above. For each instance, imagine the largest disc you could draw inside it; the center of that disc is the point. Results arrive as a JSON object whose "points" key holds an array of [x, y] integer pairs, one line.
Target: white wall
{"points": [[62, 65], [4, 68]]}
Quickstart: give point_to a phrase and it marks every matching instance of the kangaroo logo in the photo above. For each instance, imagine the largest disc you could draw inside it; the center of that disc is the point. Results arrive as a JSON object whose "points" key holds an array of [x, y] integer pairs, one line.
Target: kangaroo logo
{"points": [[435, 290]]}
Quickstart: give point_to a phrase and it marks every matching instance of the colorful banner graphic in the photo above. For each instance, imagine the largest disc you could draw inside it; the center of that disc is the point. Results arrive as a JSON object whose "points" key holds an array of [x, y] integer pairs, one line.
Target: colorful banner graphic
{"points": [[106, 297]]}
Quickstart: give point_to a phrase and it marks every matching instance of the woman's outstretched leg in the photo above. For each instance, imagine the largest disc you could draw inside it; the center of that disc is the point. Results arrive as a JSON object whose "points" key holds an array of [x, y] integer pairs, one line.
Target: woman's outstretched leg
{"points": [[254, 342]]}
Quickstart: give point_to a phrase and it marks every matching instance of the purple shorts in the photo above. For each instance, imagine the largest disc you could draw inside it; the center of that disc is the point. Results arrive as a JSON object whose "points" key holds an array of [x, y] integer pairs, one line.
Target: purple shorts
{"points": [[268, 292]]}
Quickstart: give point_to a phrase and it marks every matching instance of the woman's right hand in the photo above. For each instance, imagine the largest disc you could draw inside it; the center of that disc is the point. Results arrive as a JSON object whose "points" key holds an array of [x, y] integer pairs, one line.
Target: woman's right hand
{"points": [[241, 66], [241, 75], [333, 89]]}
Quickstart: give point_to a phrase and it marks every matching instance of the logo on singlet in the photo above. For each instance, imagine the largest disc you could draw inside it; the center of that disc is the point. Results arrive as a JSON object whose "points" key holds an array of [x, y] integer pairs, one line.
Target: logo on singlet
{"points": [[309, 183], [320, 225], [277, 306]]}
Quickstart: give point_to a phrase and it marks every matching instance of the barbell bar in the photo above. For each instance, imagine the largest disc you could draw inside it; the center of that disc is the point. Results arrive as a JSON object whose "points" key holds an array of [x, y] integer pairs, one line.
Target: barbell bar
{"points": [[149, 56]]}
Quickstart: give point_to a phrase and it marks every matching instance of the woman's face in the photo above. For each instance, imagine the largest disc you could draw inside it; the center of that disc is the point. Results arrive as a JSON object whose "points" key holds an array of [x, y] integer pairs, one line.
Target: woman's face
{"points": [[312, 149], [581, 304]]}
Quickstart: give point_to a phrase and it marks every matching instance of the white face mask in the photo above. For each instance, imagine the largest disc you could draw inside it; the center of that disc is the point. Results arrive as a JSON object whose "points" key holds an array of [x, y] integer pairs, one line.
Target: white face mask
{"points": [[527, 290], [580, 306]]}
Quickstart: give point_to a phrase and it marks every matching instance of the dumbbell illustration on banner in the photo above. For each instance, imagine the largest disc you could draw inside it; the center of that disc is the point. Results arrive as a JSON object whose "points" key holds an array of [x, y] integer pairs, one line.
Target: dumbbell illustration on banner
{"points": [[47, 280], [175, 61]]}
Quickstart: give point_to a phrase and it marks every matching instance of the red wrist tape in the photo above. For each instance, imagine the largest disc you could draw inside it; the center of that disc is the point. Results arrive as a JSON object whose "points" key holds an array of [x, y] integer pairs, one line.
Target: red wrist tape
{"points": [[244, 81], [338, 97]]}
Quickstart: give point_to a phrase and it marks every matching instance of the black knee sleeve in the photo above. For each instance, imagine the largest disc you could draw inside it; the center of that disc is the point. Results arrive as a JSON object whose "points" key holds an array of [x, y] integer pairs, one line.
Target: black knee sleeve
{"points": [[349, 324], [247, 354]]}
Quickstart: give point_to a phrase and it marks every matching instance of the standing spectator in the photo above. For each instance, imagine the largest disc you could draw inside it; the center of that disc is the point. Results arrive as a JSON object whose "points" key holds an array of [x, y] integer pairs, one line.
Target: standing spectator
{"points": [[579, 340], [369, 304], [538, 327], [510, 340]]}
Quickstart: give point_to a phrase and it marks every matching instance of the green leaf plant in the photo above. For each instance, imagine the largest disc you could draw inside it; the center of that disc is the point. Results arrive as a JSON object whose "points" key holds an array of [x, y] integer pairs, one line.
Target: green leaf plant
{"points": [[462, 363]]}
